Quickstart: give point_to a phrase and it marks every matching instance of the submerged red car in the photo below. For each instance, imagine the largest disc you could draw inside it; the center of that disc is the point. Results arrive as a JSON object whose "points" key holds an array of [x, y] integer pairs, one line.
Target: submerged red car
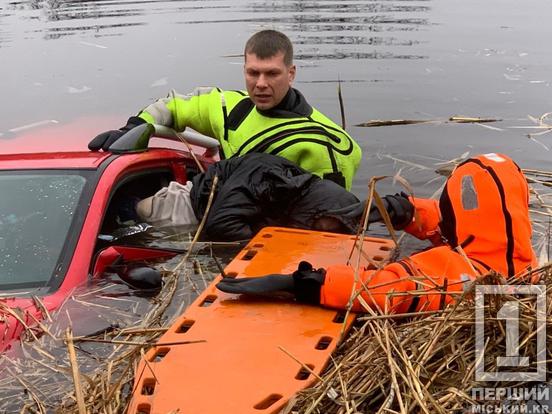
{"points": [[59, 202]]}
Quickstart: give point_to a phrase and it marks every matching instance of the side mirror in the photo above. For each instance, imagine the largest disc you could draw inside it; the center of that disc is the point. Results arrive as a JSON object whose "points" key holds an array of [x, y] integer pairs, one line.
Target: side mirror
{"points": [[135, 140], [120, 258]]}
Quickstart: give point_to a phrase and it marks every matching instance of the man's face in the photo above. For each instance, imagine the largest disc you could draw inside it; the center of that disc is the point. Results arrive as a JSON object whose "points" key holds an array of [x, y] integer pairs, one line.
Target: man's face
{"points": [[267, 80]]}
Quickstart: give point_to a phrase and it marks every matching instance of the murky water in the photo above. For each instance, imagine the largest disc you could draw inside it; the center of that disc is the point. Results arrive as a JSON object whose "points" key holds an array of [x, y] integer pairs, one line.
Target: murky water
{"points": [[397, 60]]}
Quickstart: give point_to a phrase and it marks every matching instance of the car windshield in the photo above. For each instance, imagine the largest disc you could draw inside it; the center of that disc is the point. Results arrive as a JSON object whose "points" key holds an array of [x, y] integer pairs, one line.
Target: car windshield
{"points": [[36, 212]]}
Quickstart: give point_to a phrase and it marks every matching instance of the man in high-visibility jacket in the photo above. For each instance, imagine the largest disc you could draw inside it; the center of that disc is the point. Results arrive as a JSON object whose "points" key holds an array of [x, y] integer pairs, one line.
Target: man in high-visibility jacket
{"points": [[271, 117], [480, 224]]}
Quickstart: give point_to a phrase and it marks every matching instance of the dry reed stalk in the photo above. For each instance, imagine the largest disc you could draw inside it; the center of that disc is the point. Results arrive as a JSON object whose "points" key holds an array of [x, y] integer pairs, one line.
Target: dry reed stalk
{"points": [[200, 271], [429, 363], [181, 137], [341, 105], [454, 119], [75, 372], [42, 308], [391, 122], [471, 120], [142, 331], [37, 401], [17, 313], [149, 343], [201, 224]]}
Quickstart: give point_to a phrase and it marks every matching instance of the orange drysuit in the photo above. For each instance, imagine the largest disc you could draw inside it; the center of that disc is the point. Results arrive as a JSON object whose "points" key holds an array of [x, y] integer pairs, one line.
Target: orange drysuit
{"points": [[481, 223]]}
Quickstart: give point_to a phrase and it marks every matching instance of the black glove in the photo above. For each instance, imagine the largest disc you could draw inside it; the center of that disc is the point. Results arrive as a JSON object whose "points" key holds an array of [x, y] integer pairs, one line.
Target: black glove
{"points": [[399, 208], [305, 283], [105, 139], [308, 283], [140, 277]]}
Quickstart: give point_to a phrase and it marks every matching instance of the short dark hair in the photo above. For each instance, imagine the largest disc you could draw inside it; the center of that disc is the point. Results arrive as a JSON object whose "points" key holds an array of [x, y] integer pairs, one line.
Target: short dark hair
{"points": [[267, 43]]}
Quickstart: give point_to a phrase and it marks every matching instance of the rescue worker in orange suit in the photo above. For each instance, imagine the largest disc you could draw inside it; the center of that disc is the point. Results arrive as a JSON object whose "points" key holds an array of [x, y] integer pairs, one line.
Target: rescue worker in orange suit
{"points": [[480, 224]]}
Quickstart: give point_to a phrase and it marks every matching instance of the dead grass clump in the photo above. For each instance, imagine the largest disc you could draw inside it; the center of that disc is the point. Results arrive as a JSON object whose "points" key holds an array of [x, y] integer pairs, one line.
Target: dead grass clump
{"points": [[423, 364]]}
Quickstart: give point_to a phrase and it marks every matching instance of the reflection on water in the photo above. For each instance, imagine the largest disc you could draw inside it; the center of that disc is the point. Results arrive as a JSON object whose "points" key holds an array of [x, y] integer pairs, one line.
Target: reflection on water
{"points": [[56, 33], [99, 13], [352, 40], [333, 6], [328, 22], [341, 54]]}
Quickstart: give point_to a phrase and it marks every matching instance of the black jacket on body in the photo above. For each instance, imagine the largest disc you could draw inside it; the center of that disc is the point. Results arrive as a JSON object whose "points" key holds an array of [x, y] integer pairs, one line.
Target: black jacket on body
{"points": [[258, 190]]}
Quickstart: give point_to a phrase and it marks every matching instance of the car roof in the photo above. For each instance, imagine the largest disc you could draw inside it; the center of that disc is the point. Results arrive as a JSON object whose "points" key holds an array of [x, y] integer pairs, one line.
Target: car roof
{"points": [[61, 145]]}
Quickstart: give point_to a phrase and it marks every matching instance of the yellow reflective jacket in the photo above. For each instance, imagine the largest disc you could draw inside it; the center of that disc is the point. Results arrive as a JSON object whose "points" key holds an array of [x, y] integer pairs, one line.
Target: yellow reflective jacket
{"points": [[293, 130]]}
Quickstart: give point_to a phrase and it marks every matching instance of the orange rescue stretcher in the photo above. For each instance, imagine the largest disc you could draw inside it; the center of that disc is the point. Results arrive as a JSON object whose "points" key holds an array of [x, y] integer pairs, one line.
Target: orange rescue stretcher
{"points": [[248, 362]]}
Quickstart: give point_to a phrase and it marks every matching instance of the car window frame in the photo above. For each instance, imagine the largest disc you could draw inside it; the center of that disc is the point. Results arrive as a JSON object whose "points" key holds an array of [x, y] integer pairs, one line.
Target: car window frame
{"points": [[124, 179]]}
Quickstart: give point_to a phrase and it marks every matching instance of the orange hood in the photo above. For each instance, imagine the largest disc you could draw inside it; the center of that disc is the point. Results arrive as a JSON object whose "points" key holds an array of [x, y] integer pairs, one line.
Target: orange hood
{"points": [[485, 209]]}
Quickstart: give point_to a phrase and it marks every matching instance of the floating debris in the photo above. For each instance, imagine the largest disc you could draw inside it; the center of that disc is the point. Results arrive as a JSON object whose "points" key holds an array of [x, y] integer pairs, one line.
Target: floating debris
{"points": [[379, 122], [471, 120], [456, 119], [93, 45], [160, 82], [540, 123], [72, 89], [512, 77], [492, 128], [446, 168], [341, 105], [34, 125]]}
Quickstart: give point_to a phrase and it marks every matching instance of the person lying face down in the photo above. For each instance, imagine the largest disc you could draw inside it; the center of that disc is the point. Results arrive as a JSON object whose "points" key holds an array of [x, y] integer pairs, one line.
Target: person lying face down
{"points": [[480, 224], [259, 190]]}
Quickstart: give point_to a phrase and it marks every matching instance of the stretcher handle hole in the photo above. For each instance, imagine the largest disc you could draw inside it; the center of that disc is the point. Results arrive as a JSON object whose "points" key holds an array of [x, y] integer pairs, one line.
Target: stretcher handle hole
{"points": [[339, 317], [143, 409], [385, 248], [377, 258], [258, 245], [250, 254], [232, 274], [324, 343], [267, 402], [159, 354], [208, 301], [185, 326], [267, 236], [148, 386], [304, 373]]}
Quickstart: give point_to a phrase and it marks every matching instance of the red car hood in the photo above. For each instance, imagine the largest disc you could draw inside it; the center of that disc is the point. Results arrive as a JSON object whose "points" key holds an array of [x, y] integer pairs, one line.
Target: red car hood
{"points": [[57, 145]]}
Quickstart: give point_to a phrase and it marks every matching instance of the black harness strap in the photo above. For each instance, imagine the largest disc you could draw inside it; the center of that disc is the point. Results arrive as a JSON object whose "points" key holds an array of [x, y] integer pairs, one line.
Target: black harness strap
{"points": [[415, 299], [238, 114], [507, 217]]}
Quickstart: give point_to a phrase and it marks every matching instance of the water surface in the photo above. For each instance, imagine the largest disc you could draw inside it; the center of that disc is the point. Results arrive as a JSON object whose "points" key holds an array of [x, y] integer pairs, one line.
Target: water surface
{"points": [[396, 59]]}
